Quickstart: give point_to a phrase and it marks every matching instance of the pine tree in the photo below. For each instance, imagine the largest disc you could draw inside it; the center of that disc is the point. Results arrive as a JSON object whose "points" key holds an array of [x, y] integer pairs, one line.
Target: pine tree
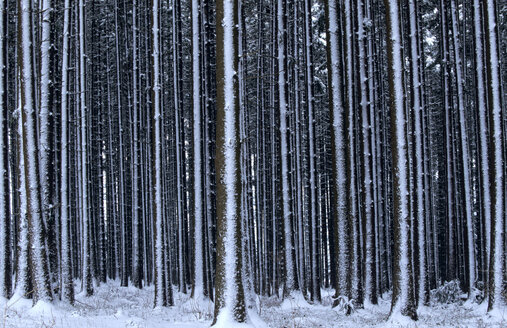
{"points": [[497, 165], [67, 284], [5, 236], [338, 143], [157, 208], [197, 143], [32, 191], [229, 301], [403, 301]]}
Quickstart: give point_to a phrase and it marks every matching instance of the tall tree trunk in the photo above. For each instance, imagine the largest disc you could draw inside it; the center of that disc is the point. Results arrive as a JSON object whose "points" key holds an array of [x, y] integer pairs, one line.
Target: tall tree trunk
{"points": [[497, 159], [314, 219], [45, 131], [5, 236], [483, 129], [157, 205], [290, 278], [86, 240], [334, 60], [36, 233], [198, 284], [416, 104], [67, 284], [470, 237], [229, 301], [403, 288]]}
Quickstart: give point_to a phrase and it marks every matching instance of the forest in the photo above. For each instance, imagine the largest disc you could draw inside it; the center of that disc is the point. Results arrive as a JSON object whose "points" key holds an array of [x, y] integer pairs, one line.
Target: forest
{"points": [[341, 153]]}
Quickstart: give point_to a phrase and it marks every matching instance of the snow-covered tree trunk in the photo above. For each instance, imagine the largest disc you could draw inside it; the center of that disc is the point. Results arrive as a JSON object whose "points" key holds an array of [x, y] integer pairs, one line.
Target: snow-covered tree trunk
{"points": [[197, 147], [416, 103], [180, 176], [464, 153], [157, 206], [303, 283], [338, 143], [290, 278], [24, 285], [36, 236], [372, 91], [403, 302], [121, 159], [497, 159], [229, 301], [367, 185], [309, 74], [45, 116], [483, 126], [447, 103], [85, 218], [137, 265], [246, 195], [352, 208], [67, 284], [5, 236]]}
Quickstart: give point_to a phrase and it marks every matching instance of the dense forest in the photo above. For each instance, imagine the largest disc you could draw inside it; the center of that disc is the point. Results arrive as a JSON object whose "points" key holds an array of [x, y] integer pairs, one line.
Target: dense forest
{"points": [[234, 148]]}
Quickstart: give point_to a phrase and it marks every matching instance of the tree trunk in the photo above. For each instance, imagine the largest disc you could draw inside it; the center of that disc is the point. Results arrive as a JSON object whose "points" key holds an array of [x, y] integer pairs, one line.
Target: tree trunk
{"points": [[403, 301], [229, 301]]}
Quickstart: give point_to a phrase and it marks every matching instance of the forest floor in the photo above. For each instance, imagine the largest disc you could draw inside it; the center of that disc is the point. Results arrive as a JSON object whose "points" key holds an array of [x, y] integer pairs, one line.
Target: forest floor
{"points": [[114, 306]]}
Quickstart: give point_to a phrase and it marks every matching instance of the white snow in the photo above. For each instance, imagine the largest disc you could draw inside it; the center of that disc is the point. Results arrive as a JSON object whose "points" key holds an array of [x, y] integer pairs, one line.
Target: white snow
{"points": [[113, 306]]}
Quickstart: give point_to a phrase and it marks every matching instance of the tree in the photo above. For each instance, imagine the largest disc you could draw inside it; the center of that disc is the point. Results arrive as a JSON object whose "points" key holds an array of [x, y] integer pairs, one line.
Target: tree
{"points": [[483, 125], [467, 195], [417, 107], [5, 236], [67, 284], [45, 114], [157, 208], [403, 301], [87, 272], [197, 142], [229, 301], [338, 141], [32, 191], [497, 166], [310, 101], [290, 278]]}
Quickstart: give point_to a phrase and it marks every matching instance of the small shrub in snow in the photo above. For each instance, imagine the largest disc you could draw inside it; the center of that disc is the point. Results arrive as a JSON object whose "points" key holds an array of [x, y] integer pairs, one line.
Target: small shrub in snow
{"points": [[343, 303], [449, 292]]}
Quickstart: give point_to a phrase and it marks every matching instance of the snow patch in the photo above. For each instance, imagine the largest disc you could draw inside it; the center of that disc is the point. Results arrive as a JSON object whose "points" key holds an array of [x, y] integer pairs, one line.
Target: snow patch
{"points": [[43, 309], [295, 300], [399, 320], [225, 320], [19, 303]]}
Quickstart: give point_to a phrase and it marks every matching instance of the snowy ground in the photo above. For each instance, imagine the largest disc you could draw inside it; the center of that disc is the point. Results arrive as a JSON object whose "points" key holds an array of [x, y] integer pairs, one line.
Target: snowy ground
{"points": [[113, 306]]}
